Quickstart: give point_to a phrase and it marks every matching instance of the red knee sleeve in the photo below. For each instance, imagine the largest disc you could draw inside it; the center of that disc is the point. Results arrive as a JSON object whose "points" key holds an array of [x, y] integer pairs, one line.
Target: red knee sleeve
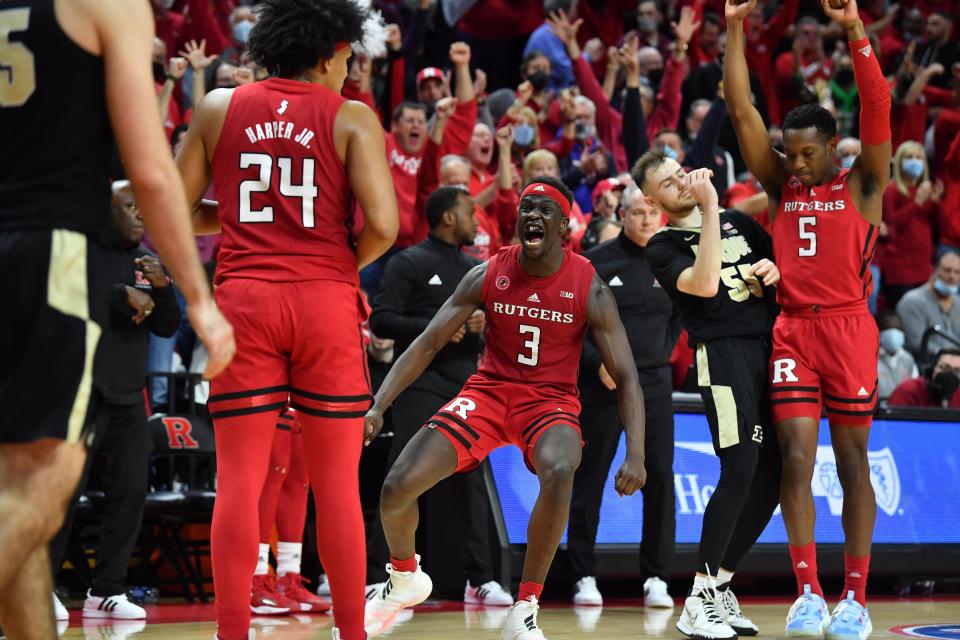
{"points": [[874, 94]]}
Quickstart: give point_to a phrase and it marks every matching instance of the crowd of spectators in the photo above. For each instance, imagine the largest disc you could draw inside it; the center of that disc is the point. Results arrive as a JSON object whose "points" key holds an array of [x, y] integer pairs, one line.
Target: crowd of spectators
{"points": [[485, 94]]}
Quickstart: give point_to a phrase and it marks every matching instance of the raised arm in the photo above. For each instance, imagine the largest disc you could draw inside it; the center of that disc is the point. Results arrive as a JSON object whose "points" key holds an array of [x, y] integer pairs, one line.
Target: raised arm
{"points": [[611, 341], [703, 278], [124, 36], [871, 169], [761, 159], [449, 319]]}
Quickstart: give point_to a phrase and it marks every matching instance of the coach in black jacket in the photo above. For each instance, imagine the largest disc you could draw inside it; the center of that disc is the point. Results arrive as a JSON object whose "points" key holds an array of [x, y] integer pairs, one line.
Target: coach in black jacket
{"points": [[142, 302], [653, 329], [416, 283]]}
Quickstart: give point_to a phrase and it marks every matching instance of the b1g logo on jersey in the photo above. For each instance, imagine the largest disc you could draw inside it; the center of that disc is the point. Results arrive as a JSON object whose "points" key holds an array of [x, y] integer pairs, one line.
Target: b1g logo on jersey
{"points": [[783, 371], [179, 433], [502, 283], [461, 407]]}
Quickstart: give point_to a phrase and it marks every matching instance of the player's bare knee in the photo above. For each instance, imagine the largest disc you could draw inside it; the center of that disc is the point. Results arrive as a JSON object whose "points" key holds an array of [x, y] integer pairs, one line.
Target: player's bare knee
{"points": [[797, 468], [853, 467], [556, 476], [395, 493]]}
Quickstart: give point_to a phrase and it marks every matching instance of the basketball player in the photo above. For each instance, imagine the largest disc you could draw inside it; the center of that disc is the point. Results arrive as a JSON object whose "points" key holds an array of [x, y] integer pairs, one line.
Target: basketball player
{"points": [[287, 156], [539, 300], [717, 268], [825, 223], [284, 503], [66, 66]]}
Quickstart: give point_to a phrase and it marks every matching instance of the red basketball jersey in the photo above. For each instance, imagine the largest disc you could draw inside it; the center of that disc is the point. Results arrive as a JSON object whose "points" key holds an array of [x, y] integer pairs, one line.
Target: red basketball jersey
{"points": [[284, 198], [535, 326], [822, 246]]}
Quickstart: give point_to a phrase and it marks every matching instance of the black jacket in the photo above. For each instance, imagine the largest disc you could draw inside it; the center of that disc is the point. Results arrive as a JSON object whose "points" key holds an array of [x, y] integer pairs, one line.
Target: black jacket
{"points": [[646, 312], [416, 283], [121, 359]]}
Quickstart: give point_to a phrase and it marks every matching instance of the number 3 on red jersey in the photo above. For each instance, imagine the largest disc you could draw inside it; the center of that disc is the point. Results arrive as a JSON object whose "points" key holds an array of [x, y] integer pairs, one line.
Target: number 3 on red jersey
{"points": [[533, 344], [307, 192]]}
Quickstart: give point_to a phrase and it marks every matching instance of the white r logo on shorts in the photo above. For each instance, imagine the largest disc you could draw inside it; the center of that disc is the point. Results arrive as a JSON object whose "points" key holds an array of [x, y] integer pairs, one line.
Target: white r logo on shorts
{"points": [[461, 406], [783, 371]]}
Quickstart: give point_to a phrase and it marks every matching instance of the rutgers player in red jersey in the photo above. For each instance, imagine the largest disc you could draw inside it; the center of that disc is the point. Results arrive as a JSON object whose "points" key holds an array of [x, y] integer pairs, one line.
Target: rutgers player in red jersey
{"points": [[287, 156], [539, 300], [825, 222]]}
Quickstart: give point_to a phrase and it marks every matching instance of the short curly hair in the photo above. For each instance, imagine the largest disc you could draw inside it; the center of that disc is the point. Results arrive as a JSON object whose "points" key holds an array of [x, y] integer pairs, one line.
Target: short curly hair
{"points": [[292, 36], [812, 115]]}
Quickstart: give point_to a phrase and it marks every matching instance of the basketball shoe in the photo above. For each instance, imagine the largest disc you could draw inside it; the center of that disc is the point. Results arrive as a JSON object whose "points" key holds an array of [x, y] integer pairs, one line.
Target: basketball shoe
{"points": [[703, 618], [266, 601], [291, 586], [489, 593], [522, 624], [112, 607], [808, 617], [403, 589], [586, 593], [850, 621], [655, 594], [729, 605], [59, 611]]}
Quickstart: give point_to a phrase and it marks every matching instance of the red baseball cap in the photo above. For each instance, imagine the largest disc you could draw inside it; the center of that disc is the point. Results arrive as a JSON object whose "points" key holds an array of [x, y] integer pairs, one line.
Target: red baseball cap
{"points": [[605, 185], [429, 72]]}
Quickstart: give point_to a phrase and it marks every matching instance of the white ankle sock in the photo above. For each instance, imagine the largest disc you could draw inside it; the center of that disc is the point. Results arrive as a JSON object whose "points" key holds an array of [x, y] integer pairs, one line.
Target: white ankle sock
{"points": [[263, 561], [723, 577], [699, 584], [288, 557]]}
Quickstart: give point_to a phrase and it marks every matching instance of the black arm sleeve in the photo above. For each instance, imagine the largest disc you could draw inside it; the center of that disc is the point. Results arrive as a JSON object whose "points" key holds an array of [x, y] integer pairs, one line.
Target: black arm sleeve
{"points": [[387, 319], [634, 134], [165, 319]]}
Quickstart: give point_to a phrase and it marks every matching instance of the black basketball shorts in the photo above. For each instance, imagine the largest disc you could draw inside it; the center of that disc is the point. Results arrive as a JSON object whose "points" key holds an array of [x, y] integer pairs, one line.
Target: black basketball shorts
{"points": [[732, 376], [55, 299]]}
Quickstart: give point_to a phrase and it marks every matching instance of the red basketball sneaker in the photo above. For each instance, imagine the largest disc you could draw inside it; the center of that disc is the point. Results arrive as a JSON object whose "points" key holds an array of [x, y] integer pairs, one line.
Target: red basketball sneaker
{"points": [[265, 600], [290, 585]]}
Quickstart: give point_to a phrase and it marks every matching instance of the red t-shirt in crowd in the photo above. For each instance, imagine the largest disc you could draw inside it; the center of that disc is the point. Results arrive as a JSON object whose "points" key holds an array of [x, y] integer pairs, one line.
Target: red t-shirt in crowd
{"points": [[906, 255], [913, 393]]}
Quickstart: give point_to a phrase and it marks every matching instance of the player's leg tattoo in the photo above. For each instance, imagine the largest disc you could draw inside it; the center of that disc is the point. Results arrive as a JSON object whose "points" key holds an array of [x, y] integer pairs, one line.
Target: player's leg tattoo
{"points": [[426, 460], [556, 458]]}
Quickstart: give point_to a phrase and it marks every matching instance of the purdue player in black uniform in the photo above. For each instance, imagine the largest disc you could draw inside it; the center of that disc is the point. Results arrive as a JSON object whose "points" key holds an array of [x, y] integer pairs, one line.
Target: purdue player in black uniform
{"points": [[64, 64], [718, 270]]}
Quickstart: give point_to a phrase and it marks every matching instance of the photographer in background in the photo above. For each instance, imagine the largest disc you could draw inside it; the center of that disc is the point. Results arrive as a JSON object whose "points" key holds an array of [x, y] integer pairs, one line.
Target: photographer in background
{"points": [[143, 301]]}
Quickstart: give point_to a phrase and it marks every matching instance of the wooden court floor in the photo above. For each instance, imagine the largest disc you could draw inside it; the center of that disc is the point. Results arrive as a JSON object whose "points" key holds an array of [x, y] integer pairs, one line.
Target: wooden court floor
{"points": [[926, 618]]}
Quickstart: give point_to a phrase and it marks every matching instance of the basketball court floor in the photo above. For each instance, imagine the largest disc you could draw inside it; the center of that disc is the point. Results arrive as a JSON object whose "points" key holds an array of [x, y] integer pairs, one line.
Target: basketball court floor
{"points": [[934, 618]]}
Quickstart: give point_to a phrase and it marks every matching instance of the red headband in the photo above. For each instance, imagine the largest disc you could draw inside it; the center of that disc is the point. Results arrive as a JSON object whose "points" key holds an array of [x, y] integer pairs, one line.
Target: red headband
{"points": [[543, 189], [340, 46]]}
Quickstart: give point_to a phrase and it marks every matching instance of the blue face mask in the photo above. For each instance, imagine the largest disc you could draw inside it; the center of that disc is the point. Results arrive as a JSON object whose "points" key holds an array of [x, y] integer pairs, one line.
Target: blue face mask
{"points": [[913, 167], [670, 153], [241, 31], [891, 340], [847, 161], [523, 134], [945, 289]]}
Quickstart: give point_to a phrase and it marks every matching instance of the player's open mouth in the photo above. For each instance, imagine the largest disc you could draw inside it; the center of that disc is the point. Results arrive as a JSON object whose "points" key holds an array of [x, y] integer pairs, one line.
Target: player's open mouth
{"points": [[533, 234]]}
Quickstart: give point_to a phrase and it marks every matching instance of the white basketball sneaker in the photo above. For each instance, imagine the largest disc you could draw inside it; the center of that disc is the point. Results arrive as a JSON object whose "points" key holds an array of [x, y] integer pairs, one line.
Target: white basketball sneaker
{"points": [[702, 619], [586, 593], [729, 605], [522, 622], [59, 611], [403, 589], [655, 594], [489, 594], [112, 607]]}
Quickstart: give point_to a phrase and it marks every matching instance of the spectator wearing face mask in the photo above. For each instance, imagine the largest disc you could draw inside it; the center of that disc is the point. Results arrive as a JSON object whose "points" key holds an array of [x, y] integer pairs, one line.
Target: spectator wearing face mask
{"points": [[934, 304], [535, 92], [894, 364], [938, 388], [911, 205], [700, 150], [543, 39], [847, 151], [650, 27]]}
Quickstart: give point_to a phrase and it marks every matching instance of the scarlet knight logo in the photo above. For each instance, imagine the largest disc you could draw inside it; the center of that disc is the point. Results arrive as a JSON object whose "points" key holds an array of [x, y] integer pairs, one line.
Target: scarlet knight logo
{"points": [[503, 282], [179, 433]]}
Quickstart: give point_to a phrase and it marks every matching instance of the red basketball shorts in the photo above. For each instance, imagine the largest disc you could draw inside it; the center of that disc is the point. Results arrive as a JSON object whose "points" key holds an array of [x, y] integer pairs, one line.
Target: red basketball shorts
{"points": [[824, 360], [296, 341], [488, 414]]}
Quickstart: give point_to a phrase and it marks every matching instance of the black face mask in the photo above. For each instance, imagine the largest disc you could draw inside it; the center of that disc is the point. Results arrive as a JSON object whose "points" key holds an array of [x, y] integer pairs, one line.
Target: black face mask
{"points": [[843, 77], [655, 76], [159, 73], [943, 385], [539, 80]]}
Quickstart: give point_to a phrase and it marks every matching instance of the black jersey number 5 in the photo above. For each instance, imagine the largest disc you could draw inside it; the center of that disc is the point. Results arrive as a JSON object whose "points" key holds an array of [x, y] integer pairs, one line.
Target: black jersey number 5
{"points": [[18, 77], [307, 192]]}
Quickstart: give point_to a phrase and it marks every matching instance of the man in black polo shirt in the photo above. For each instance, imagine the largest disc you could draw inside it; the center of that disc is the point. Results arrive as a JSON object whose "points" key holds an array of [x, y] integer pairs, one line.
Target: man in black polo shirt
{"points": [[652, 327], [416, 283], [717, 268]]}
